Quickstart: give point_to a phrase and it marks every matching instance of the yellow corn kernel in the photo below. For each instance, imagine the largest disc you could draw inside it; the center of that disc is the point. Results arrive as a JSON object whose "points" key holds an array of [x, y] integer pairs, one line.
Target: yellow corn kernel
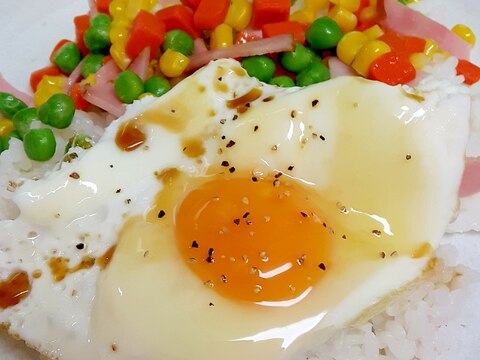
{"points": [[304, 16], [419, 60], [133, 7], [117, 33], [344, 18], [350, 5], [430, 47], [117, 7], [367, 54], [221, 37], [239, 14], [465, 33], [91, 79], [151, 68], [349, 45], [6, 126], [173, 63], [48, 86], [368, 13], [316, 5], [373, 32], [117, 50]]}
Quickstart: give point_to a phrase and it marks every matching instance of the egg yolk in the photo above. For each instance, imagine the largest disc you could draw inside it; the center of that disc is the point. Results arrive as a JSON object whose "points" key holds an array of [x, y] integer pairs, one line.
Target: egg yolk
{"points": [[259, 241]]}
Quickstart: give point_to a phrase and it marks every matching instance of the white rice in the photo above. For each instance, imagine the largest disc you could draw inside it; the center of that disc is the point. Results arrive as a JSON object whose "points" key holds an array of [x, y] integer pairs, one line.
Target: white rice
{"points": [[435, 318]]}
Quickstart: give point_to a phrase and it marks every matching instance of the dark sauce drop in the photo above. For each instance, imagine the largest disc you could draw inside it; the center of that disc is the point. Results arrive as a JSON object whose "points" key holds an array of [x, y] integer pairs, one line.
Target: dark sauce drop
{"points": [[14, 289], [129, 136]]}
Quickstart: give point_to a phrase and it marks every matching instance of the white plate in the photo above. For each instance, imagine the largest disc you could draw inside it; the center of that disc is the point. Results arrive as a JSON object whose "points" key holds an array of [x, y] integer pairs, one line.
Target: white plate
{"points": [[29, 29]]}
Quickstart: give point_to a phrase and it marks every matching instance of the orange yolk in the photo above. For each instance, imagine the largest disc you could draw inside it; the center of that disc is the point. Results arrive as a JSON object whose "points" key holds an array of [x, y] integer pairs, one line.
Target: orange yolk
{"points": [[258, 241]]}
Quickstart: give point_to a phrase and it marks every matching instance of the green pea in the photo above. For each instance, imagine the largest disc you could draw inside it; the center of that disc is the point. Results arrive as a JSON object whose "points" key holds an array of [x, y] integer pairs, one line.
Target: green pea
{"points": [[39, 144], [323, 33], [97, 36], [157, 86], [260, 66], [178, 40], [128, 86], [298, 59], [10, 105], [316, 72], [58, 111], [91, 64], [67, 57], [282, 81], [23, 119]]}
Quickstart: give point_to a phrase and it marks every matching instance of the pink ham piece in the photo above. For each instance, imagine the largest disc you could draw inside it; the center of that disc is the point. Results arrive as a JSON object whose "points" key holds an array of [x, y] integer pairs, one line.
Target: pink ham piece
{"points": [[338, 68], [74, 77], [5, 86], [107, 73], [103, 96], [471, 177], [406, 21], [199, 46], [140, 65], [273, 44]]}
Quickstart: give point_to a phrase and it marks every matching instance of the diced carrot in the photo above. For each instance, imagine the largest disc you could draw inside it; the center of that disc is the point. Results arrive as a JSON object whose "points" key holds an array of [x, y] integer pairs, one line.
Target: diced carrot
{"points": [[37, 75], [178, 17], [392, 68], [269, 11], [58, 46], [285, 27], [470, 71], [76, 95], [404, 44], [106, 59], [146, 30], [192, 4], [210, 13], [247, 35], [364, 25], [103, 6], [82, 22]]}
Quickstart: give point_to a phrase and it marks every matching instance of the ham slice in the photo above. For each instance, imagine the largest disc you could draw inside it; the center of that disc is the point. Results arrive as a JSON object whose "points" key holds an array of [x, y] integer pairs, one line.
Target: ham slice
{"points": [[273, 44], [140, 65], [73, 78], [338, 68], [406, 21], [471, 178], [103, 96], [5, 86]]}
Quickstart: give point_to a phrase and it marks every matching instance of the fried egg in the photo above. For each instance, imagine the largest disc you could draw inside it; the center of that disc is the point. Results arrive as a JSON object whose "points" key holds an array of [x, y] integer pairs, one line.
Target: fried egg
{"points": [[230, 218]]}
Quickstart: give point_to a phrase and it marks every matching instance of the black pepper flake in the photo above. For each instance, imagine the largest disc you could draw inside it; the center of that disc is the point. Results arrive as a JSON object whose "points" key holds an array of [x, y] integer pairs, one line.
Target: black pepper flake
{"points": [[235, 117], [195, 244], [211, 251], [230, 143], [293, 114], [75, 175], [211, 304], [408, 157], [223, 278], [274, 147], [219, 79], [118, 191], [314, 103], [322, 137], [236, 221], [245, 215], [210, 260], [223, 137], [255, 128], [322, 266], [225, 163], [324, 225], [172, 111], [277, 175], [301, 260], [268, 98], [376, 232], [128, 201], [276, 183], [290, 168], [254, 179], [111, 166], [303, 214], [161, 214], [344, 237], [80, 246], [232, 169], [382, 255], [223, 121]]}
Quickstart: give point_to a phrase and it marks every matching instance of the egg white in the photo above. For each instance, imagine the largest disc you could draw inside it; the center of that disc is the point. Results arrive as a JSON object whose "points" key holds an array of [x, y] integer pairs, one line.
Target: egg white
{"points": [[121, 313]]}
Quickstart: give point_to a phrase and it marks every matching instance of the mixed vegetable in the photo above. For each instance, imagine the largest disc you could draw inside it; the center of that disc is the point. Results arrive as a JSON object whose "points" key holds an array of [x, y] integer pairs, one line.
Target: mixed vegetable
{"points": [[124, 50]]}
